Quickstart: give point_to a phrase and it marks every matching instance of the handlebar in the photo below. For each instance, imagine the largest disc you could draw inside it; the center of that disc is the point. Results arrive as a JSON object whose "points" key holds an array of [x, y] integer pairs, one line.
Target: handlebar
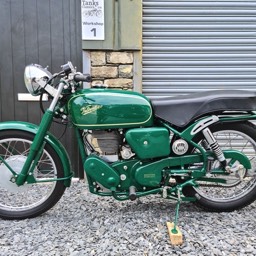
{"points": [[78, 77], [82, 78]]}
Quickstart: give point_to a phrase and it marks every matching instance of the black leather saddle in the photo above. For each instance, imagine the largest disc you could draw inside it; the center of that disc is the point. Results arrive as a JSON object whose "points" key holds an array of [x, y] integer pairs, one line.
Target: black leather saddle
{"points": [[181, 110]]}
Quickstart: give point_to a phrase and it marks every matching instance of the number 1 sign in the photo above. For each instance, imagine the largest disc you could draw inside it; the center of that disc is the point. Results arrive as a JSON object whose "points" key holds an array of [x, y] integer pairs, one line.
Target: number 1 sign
{"points": [[93, 27]]}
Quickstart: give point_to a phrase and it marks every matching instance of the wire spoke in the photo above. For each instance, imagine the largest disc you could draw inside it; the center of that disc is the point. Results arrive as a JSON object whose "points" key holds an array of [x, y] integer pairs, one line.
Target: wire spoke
{"points": [[15, 198], [238, 183]]}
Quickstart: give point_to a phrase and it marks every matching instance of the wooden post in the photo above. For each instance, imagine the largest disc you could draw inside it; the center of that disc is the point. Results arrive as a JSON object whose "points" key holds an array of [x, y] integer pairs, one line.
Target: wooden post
{"points": [[176, 238]]}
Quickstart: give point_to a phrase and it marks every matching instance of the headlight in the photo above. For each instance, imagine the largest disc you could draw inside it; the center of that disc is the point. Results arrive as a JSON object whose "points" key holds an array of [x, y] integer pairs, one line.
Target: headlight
{"points": [[34, 73]]}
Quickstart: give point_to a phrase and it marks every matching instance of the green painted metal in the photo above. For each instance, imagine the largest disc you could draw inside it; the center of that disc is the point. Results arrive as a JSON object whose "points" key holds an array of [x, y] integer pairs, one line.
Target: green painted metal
{"points": [[100, 109], [104, 109], [214, 180], [80, 145], [30, 179], [251, 116], [188, 137], [83, 155], [149, 177], [29, 174], [174, 161], [101, 172], [150, 142], [126, 169], [150, 174], [36, 147], [49, 138], [187, 133], [237, 156], [174, 230]]}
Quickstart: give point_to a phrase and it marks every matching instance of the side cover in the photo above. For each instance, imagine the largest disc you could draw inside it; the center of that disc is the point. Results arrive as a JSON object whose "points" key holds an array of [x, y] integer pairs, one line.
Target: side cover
{"points": [[105, 109], [149, 142], [100, 171]]}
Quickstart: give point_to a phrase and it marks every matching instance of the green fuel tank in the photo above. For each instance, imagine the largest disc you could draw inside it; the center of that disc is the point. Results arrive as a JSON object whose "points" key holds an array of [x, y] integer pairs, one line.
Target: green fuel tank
{"points": [[107, 109]]}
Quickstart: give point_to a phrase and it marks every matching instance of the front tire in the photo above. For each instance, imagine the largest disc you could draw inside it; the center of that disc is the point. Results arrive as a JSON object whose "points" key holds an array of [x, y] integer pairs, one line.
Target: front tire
{"points": [[28, 200], [240, 189]]}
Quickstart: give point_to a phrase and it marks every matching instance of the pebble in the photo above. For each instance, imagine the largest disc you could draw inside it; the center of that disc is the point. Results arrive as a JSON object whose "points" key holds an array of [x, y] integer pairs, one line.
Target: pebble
{"points": [[83, 224]]}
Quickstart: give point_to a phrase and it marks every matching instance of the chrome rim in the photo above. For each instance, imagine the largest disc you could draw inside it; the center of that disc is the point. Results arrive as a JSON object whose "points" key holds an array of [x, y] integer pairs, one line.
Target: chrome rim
{"points": [[13, 198], [238, 184]]}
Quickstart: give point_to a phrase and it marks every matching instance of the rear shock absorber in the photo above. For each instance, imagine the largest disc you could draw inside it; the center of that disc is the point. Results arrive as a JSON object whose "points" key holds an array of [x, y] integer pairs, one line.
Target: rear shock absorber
{"points": [[215, 146]]}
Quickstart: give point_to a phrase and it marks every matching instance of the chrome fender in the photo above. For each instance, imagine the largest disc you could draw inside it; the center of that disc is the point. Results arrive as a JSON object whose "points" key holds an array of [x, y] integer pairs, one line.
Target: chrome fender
{"points": [[49, 138]]}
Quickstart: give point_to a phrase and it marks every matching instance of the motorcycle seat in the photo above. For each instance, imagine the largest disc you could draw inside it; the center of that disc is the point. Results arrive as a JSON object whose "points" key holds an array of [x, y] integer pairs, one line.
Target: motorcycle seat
{"points": [[181, 110]]}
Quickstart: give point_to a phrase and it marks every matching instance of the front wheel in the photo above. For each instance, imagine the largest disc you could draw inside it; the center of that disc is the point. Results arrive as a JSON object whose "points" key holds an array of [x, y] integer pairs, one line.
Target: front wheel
{"points": [[240, 187], [28, 200]]}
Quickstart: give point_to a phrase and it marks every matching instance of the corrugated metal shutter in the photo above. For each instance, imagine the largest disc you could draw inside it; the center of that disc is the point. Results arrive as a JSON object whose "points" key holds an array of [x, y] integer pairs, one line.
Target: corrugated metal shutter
{"points": [[191, 46]]}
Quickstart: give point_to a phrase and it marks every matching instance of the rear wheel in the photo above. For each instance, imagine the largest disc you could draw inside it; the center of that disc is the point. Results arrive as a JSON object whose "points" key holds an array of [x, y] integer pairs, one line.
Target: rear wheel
{"points": [[28, 200], [240, 187]]}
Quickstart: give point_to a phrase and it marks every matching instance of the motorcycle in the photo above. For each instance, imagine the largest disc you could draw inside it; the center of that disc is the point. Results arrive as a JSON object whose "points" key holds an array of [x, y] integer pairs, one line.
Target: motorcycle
{"points": [[199, 148]]}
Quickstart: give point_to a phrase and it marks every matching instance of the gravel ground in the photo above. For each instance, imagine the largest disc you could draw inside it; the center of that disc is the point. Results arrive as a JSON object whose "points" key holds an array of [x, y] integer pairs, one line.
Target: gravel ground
{"points": [[84, 224]]}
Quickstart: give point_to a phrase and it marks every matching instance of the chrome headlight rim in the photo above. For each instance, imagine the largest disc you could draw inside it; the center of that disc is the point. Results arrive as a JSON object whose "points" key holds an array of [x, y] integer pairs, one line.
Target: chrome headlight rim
{"points": [[34, 73]]}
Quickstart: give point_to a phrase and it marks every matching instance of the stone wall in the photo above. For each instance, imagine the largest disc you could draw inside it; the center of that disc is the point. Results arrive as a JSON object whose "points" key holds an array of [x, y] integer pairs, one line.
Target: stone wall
{"points": [[114, 69]]}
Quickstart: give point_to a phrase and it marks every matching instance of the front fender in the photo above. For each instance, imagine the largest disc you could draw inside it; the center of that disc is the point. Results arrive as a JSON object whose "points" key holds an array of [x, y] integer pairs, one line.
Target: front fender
{"points": [[49, 138]]}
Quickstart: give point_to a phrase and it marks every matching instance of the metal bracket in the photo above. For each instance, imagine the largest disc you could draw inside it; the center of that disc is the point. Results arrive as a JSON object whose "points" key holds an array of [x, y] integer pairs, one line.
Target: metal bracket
{"points": [[29, 97], [204, 124]]}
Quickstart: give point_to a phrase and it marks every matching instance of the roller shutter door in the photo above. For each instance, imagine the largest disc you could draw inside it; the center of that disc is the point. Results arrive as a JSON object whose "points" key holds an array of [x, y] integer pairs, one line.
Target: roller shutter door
{"points": [[192, 46]]}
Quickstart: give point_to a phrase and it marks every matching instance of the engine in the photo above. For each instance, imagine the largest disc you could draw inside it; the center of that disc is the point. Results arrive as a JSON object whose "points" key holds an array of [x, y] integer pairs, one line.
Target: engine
{"points": [[110, 144], [114, 145]]}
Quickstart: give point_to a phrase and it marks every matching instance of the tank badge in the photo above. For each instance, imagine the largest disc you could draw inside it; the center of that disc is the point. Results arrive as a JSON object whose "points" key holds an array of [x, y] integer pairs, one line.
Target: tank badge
{"points": [[89, 109]]}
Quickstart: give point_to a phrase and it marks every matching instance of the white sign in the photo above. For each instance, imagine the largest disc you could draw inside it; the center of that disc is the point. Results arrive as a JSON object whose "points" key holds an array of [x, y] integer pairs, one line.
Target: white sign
{"points": [[93, 27]]}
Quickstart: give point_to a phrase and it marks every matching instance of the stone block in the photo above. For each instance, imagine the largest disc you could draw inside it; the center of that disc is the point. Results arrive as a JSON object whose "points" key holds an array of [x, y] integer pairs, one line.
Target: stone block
{"points": [[120, 57], [126, 71], [119, 83], [97, 82], [104, 72], [98, 58]]}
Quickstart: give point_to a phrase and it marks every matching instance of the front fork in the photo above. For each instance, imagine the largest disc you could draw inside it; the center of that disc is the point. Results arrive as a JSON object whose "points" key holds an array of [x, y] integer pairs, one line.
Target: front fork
{"points": [[35, 149], [38, 142]]}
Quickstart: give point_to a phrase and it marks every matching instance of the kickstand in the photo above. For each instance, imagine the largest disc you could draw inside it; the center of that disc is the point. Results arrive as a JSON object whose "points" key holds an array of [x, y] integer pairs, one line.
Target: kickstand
{"points": [[174, 231]]}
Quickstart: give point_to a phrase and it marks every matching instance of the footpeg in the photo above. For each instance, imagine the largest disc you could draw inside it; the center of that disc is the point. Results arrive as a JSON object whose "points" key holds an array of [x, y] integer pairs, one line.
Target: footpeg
{"points": [[132, 193]]}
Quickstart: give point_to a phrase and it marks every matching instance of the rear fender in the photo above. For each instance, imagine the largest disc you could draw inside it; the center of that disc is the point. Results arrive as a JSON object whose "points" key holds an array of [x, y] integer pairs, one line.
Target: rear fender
{"points": [[49, 138]]}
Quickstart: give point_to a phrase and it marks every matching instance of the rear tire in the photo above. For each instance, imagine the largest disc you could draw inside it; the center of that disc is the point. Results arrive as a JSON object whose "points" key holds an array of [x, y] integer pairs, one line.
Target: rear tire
{"points": [[239, 191], [28, 200]]}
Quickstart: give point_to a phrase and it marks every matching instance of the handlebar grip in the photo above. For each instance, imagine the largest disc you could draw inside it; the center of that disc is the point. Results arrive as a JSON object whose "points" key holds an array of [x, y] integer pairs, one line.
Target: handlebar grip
{"points": [[82, 78]]}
